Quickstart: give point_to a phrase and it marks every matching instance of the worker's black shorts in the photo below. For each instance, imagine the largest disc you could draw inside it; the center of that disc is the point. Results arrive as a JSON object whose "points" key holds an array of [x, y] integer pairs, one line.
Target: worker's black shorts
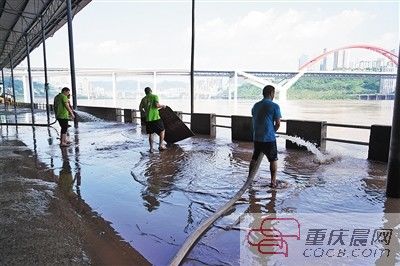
{"points": [[156, 126], [64, 125], [268, 148]]}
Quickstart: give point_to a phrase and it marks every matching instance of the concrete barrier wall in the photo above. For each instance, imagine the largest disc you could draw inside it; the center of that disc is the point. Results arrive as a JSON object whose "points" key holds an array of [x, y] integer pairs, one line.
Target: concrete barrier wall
{"points": [[106, 113], [312, 131], [128, 115], [241, 128], [203, 124], [22, 105], [379, 143]]}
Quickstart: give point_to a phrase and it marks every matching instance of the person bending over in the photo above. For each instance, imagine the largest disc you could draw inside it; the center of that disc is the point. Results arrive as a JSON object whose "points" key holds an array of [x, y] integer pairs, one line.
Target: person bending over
{"points": [[63, 113]]}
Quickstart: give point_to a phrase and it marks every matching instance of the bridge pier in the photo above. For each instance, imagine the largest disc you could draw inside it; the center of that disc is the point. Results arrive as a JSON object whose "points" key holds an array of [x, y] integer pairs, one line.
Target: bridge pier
{"points": [[25, 85], [114, 88], [282, 93], [235, 88], [155, 82]]}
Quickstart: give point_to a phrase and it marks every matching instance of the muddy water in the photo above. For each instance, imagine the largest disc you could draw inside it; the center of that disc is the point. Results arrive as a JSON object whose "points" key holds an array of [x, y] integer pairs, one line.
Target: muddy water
{"points": [[154, 201]]}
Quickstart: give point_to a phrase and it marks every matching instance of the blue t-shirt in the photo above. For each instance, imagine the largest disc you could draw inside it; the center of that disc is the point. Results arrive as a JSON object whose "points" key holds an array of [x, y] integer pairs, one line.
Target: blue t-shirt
{"points": [[264, 113]]}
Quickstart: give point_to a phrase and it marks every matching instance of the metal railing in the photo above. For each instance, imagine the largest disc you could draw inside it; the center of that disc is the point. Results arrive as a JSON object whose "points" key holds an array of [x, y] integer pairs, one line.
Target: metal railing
{"points": [[345, 140], [285, 120]]}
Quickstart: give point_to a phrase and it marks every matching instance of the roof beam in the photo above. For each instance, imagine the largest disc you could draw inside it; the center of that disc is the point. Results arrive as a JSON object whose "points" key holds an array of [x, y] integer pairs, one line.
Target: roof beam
{"points": [[14, 23], [51, 12]]}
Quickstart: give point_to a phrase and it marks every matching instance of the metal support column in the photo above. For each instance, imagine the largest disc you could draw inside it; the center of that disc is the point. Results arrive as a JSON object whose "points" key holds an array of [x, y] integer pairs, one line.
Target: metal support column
{"points": [[13, 88], [71, 54], [192, 62], [393, 178], [46, 82], [4, 89], [28, 51]]}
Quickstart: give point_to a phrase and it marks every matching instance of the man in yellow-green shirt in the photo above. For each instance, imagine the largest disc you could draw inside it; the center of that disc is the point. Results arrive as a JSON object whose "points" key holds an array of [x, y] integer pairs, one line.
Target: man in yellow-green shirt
{"points": [[63, 113], [149, 106]]}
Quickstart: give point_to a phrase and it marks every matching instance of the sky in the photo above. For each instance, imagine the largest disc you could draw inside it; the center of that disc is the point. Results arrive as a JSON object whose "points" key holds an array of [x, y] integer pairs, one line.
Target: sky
{"points": [[230, 35]]}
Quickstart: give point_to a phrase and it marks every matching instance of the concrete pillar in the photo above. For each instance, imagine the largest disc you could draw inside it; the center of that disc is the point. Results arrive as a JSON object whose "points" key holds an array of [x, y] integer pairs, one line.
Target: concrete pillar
{"points": [[283, 90], [119, 115], [379, 140], [230, 88], [139, 90], [241, 128], [235, 87], [203, 124], [312, 131]]}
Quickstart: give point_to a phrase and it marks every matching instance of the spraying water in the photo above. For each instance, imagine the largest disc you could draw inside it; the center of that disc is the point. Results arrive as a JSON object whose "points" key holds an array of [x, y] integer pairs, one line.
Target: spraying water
{"points": [[321, 158], [86, 117]]}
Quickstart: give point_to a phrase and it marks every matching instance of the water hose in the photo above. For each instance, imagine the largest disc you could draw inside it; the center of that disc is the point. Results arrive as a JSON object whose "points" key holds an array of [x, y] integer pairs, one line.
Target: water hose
{"points": [[28, 124], [194, 237]]}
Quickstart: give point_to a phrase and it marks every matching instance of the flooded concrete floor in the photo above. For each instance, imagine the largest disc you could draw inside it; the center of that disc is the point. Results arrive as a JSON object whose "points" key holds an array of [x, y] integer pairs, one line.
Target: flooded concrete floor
{"points": [[154, 201], [42, 222]]}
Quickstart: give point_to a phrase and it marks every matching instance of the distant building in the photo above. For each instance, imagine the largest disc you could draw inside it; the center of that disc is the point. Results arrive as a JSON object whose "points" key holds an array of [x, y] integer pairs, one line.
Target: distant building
{"points": [[323, 64], [344, 65], [303, 60], [335, 60], [387, 86]]}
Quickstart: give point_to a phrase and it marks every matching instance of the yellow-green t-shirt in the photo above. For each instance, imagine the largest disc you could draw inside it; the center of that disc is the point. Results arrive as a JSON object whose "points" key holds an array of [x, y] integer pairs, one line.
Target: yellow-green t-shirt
{"points": [[59, 106], [149, 103]]}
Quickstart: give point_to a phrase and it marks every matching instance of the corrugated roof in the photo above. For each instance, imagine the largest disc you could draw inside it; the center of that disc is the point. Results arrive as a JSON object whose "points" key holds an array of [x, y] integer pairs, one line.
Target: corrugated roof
{"points": [[20, 18]]}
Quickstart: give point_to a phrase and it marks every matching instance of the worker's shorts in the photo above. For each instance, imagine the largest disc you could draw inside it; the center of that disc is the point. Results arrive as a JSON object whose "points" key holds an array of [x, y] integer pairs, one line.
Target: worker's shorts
{"points": [[268, 148], [156, 126]]}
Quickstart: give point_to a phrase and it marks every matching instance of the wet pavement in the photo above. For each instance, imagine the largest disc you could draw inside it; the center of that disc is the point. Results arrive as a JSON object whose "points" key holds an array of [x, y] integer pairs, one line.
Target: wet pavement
{"points": [[154, 201]]}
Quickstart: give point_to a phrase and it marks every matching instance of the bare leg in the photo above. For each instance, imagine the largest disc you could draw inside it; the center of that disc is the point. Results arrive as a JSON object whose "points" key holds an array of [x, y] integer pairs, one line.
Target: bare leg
{"points": [[151, 142], [63, 140], [273, 166], [161, 145]]}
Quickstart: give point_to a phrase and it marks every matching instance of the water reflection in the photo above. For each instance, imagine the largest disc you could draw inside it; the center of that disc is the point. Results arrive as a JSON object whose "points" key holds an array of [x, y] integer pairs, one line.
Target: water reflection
{"points": [[160, 172], [65, 179], [77, 162], [391, 220], [256, 203]]}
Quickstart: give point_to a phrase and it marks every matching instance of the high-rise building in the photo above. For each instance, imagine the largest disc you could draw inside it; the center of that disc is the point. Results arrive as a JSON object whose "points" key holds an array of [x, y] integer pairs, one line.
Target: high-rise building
{"points": [[322, 67], [303, 60], [335, 60], [344, 65]]}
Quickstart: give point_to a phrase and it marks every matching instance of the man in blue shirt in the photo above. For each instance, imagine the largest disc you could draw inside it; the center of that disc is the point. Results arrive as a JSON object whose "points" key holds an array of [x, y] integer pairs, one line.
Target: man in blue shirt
{"points": [[266, 121]]}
